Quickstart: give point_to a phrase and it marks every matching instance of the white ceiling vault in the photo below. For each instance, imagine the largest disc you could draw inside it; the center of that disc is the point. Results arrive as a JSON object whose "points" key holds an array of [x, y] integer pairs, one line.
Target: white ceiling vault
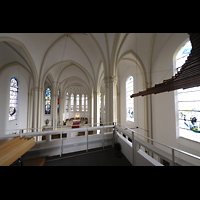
{"points": [[76, 59]]}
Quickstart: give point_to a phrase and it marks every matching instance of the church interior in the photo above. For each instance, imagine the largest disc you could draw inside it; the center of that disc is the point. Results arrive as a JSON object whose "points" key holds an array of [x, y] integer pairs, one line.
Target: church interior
{"points": [[53, 81]]}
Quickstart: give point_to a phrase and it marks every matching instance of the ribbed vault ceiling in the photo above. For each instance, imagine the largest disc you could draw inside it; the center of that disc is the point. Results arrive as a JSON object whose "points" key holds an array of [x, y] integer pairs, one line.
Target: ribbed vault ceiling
{"points": [[79, 55]]}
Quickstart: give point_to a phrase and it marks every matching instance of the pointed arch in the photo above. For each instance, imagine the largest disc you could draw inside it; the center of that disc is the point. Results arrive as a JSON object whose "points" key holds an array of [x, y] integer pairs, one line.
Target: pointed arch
{"points": [[132, 56], [30, 59], [102, 54], [100, 75], [68, 63]]}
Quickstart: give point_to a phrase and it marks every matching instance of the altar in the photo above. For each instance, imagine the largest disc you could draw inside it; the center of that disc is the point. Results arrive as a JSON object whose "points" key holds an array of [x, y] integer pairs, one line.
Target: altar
{"points": [[76, 120]]}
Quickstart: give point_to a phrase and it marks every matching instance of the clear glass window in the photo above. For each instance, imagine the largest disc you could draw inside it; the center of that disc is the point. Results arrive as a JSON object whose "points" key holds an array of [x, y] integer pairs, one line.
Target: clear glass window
{"points": [[129, 101], [188, 101]]}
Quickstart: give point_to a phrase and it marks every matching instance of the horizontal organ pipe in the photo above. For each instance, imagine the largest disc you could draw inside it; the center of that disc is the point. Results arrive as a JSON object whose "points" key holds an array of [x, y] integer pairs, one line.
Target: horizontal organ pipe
{"points": [[187, 77]]}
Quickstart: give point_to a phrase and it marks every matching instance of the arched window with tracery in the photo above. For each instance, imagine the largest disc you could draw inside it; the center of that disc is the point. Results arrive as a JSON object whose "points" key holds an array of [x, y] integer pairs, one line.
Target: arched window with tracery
{"points": [[86, 103], [129, 101], [188, 102], [83, 102], [67, 102], [77, 102], [72, 102], [48, 101], [13, 99]]}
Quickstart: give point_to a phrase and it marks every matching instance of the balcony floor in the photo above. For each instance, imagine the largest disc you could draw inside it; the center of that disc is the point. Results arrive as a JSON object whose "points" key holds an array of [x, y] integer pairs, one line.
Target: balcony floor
{"points": [[94, 157]]}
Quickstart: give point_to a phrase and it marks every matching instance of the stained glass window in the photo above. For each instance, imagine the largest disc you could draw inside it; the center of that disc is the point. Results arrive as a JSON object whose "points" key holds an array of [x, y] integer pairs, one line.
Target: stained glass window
{"points": [[183, 54], [188, 102], [58, 108], [129, 101], [13, 99], [83, 102], [48, 101]]}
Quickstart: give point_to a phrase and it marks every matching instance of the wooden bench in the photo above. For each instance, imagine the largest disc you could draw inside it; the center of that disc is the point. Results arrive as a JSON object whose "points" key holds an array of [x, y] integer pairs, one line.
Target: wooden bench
{"points": [[83, 133], [11, 150]]}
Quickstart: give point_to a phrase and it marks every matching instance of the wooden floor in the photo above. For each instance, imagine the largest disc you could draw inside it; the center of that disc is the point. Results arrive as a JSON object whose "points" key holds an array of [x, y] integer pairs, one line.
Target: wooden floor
{"points": [[34, 162]]}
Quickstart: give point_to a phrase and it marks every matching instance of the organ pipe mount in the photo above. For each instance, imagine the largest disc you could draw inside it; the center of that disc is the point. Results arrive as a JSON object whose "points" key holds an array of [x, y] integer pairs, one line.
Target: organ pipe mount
{"points": [[187, 77]]}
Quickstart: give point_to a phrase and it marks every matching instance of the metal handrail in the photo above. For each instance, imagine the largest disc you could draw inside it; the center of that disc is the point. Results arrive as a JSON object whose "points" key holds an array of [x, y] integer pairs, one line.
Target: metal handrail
{"points": [[172, 148], [50, 127], [104, 124]]}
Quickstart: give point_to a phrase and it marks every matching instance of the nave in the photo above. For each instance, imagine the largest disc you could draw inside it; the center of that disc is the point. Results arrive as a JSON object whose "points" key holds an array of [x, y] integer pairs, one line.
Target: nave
{"points": [[50, 80]]}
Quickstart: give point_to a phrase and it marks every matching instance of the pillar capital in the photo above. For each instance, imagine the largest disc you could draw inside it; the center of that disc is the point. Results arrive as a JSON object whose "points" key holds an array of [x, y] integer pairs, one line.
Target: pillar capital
{"points": [[146, 85], [39, 89], [35, 88], [95, 92], [110, 79]]}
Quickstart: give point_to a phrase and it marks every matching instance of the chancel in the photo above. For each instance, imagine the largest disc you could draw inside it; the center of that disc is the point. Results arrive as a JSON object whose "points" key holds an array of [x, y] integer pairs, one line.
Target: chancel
{"points": [[67, 95]]}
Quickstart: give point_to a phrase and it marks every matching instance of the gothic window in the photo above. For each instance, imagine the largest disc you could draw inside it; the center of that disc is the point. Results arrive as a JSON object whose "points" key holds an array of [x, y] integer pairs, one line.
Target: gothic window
{"points": [[83, 102], [48, 101], [104, 102], [129, 101], [77, 102], [67, 102], [58, 106], [13, 99], [72, 102], [86, 103], [183, 54], [100, 102], [188, 101]]}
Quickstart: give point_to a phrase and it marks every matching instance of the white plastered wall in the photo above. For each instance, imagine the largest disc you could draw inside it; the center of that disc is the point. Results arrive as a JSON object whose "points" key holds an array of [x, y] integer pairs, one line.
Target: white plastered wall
{"points": [[163, 104], [23, 81], [127, 69]]}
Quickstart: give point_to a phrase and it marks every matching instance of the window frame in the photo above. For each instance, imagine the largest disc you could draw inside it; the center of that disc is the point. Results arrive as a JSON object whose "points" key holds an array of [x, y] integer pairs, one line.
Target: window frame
{"points": [[195, 137], [77, 103], [72, 102], [13, 106], [86, 103], [128, 99], [83, 102], [45, 110], [67, 102]]}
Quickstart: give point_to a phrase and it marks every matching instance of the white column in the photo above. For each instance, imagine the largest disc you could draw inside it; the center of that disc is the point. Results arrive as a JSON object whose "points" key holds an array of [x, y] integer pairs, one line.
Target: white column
{"points": [[54, 106], [40, 108], [61, 108], [90, 114], [95, 106], [35, 108], [147, 114], [118, 107], [111, 98], [102, 106], [29, 110]]}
